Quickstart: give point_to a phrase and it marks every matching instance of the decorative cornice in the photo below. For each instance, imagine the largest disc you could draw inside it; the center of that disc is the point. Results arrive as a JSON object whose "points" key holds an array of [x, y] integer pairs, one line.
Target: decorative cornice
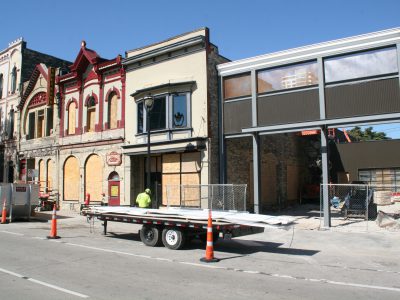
{"points": [[163, 50]]}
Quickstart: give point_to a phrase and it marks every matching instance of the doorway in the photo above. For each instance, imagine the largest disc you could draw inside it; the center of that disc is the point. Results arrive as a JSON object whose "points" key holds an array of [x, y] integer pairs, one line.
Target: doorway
{"points": [[113, 189]]}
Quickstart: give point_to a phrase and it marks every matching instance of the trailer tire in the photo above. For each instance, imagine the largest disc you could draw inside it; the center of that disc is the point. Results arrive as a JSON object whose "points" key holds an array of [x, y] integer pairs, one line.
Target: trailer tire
{"points": [[150, 235], [173, 238]]}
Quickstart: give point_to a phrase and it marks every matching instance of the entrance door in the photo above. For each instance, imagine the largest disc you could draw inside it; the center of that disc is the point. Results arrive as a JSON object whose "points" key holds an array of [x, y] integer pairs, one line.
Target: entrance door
{"points": [[113, 189]]}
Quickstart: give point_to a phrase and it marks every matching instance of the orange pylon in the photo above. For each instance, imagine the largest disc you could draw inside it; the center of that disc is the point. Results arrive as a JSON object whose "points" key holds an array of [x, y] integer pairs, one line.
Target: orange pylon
{"points": [[210, 240], [53, 231], [4, 213]]}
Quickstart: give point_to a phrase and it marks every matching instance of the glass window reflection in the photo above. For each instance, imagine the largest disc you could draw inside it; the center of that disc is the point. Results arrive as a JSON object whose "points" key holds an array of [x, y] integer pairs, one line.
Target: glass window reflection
{"points": [[359, 65], [237, 86], [288, 77], [179, 117]]}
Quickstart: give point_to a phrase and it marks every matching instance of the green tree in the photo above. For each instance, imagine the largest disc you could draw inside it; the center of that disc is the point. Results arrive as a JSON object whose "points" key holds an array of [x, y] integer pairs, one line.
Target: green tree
{"points": [[367, 134]]}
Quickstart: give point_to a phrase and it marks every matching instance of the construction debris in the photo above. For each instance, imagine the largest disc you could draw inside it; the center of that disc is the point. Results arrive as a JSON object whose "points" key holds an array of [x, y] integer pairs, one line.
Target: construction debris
{"points": [[388, 220]]}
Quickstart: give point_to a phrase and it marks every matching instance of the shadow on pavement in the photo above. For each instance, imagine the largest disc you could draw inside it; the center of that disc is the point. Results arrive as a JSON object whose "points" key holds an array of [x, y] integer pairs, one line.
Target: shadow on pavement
{"points": [[245, 247], [124, 236]]}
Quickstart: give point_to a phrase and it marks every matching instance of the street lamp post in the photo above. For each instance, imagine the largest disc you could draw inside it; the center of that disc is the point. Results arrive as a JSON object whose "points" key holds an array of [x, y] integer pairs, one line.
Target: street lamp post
{"points": [[148, 103]]}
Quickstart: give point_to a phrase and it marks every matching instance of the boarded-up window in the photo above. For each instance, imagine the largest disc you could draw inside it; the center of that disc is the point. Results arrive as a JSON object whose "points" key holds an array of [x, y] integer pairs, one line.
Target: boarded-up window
{"points": [[292, 182], [181, 169], [71, 118], [50, 174], [94, 177], [171, 191], [91, 114], [237, 86], [40, 124], [113, 111], [269, 193], [71, 179]]}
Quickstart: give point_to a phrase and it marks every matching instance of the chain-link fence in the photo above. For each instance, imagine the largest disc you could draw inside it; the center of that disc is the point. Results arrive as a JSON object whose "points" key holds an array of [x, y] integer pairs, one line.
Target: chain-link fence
{"points": [[214, 196], [359, 206]]}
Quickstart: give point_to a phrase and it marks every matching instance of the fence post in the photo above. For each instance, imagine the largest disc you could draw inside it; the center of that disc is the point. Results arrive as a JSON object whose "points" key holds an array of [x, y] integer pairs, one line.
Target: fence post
{"points": [[367, 206]]}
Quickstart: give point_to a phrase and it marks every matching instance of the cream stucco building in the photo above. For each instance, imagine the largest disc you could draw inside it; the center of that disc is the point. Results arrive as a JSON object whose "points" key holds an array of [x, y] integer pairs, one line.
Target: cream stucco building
{"points": [[179, 75]]}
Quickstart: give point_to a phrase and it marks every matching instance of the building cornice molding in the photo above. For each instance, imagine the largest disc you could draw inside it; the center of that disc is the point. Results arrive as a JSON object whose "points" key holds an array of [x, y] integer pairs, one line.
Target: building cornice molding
{"points": [[330, 48]]}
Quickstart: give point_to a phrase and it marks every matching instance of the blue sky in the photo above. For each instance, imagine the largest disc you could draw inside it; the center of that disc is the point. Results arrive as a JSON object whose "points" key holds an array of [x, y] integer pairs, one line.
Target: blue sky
{"points": [[239, 28]]}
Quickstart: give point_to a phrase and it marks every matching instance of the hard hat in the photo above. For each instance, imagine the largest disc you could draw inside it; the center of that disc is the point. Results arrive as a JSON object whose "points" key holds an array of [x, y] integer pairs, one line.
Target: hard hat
{"points": [[147, 191]]}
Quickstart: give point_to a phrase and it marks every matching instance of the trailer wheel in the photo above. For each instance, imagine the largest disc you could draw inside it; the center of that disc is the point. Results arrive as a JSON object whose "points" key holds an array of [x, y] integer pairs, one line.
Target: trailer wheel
{"points": [[150, 235], [173, 238]]}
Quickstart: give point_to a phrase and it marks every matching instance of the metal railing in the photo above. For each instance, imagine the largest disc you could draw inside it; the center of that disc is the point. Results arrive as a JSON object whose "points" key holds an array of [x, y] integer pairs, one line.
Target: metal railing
{"points": [[214, 196]]}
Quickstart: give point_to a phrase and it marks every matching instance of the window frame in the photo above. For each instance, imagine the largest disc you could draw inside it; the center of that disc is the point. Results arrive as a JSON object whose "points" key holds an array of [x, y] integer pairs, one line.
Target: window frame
{"points": [[169, 124], [290, 89], [359, 53], [47, 113], [91, 108]]}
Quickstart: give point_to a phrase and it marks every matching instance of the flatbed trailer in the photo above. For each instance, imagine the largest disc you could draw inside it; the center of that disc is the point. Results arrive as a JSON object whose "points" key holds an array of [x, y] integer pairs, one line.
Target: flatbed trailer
{"points": [[170, 231]]}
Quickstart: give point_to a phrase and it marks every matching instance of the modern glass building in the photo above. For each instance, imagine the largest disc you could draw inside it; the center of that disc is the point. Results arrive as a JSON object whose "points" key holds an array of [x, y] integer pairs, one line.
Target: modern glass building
{"points": [[334, 84]]}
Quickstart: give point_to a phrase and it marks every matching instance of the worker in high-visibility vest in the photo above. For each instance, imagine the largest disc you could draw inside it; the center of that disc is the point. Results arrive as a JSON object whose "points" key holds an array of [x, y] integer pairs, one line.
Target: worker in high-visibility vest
{"points": [[143, 200]]}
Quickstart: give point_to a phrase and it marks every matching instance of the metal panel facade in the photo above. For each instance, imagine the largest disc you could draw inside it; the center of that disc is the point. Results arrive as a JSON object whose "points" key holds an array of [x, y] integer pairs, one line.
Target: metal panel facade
{"points": [[288, 108], [361, 99], [237, 115]]}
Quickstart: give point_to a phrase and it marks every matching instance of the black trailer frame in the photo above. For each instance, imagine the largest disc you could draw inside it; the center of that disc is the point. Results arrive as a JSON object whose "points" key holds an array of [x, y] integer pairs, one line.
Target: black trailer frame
{"points": [[173, 233]]}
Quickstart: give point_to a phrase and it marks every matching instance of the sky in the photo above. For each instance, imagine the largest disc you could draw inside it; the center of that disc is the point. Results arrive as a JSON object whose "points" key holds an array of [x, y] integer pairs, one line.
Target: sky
{"points": [[240, 29]]}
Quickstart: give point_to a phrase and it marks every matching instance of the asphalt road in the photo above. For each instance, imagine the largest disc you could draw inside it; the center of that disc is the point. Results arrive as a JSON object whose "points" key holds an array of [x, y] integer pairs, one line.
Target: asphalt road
{"points": [[276, 264]]}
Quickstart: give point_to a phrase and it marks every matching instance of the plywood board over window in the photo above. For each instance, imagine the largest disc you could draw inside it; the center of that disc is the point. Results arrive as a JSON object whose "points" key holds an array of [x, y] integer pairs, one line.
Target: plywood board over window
{"points": [[191, 162], [71, 179], [292, 182], [191, 196], [94, 177], [171, 191], [71, 118], [181, 169], [50, 170], [113, 111], [171, 163]]}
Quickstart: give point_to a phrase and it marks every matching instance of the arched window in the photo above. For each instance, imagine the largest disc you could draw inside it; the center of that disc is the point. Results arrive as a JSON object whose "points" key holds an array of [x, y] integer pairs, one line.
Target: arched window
{"points": [[94, 177], [1, 86], [71, 118], [91, 114], [71, 179], [112, 111], [13, 80]]}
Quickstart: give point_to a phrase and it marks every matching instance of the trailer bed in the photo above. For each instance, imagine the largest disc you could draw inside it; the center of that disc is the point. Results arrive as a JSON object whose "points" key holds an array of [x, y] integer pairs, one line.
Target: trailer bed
{"points": [[173, 226]]}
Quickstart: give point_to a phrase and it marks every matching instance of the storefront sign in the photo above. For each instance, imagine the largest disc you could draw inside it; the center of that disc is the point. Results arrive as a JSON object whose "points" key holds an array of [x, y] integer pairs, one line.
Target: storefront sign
{"points": [[114, 159]]}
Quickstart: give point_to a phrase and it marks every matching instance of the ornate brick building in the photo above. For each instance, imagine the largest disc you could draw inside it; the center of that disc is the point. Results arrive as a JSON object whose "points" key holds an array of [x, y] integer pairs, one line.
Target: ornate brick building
{"points": [[92, 118]]}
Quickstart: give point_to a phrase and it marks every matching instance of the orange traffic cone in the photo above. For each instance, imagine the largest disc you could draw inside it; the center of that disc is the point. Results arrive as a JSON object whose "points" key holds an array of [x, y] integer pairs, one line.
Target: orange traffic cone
{"points": [[209, 248], [53, 231], [4, 213]]}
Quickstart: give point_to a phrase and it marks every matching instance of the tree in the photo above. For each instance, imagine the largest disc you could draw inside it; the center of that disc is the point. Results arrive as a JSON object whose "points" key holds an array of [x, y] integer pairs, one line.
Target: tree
{"points": [[367, 134]]}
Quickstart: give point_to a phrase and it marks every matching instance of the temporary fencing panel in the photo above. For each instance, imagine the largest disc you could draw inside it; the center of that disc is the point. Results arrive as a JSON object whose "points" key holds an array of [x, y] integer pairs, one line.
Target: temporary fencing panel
{"points": [[356, 206], [214, 196]]}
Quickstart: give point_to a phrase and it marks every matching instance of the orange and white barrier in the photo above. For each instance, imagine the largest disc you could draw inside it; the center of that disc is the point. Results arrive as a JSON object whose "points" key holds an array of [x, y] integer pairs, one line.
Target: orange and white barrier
{"points": [[210, 242], [53, 231]]}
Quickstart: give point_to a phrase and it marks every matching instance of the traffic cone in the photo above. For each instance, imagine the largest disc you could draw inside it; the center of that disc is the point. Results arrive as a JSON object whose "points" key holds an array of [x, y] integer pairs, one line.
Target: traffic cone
{"points": [[53, 231], [209, 248], [4, 213]]}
